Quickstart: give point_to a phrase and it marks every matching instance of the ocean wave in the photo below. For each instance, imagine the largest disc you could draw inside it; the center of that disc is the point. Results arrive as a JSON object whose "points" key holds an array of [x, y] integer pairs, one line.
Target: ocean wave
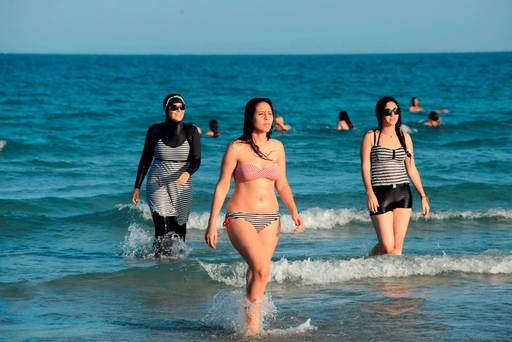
{"points": [[2, 144], [326, 219], [314, 272]]}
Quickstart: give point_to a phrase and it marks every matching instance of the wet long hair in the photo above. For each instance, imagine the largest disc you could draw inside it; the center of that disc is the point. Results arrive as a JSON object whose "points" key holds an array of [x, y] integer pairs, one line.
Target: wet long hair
{"points": [[250, 110], [343, 115], [379, 112]]}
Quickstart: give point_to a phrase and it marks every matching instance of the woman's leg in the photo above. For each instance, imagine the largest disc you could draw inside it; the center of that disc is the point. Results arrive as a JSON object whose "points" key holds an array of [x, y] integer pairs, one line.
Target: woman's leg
{"points": [[401, 217], [257, 249], [383, 224]]}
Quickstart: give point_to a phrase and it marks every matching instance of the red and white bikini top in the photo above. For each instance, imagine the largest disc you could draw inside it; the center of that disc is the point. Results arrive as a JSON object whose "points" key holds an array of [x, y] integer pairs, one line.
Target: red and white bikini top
{"points": [[249, 172]]}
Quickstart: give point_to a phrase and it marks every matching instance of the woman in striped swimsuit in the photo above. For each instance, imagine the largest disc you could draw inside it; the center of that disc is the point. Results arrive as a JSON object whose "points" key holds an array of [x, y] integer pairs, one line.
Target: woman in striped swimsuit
{"points": [[258, 166], [387, 158], [173, 151]]}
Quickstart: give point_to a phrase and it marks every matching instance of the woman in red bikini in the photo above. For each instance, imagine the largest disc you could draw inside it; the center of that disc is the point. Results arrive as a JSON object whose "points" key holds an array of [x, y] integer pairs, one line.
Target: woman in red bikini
{"points": [[258, 165]]}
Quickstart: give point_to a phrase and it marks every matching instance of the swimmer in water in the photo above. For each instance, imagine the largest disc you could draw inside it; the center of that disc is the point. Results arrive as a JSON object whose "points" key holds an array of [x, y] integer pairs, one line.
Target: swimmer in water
{"points": [[387, 161], [344, 123], [433, 120], [214, 129], [280, 126], [415, 105], [257, 163]]}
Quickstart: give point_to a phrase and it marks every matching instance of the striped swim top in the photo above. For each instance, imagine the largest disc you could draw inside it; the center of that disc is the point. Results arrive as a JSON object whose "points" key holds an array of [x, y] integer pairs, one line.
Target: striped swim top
{"points": [[387, 165], [164, 153]]}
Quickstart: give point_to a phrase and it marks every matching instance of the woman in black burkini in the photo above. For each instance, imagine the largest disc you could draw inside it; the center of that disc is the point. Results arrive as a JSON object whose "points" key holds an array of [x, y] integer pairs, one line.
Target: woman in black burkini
{"points": [[172, 153]]}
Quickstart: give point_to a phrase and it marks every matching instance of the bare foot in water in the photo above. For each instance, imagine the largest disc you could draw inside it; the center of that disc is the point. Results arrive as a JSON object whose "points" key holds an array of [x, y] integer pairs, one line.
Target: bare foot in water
{"points": [[252, 316]]}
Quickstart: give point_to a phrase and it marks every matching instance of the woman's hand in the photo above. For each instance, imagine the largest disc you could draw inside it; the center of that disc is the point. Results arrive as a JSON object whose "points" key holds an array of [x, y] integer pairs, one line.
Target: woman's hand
{"points": [[211, 236], [425, 206], [183, 178], [298, 223], [135, 196], [373, 203]]}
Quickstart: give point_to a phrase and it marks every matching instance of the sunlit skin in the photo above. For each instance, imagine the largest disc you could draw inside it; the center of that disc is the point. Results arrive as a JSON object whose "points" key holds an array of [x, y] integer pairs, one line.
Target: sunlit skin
{"points": [[342, 126], [415, 106], [256, 196], [176, 116], [280, 126], [391, 226], [433, 123]]}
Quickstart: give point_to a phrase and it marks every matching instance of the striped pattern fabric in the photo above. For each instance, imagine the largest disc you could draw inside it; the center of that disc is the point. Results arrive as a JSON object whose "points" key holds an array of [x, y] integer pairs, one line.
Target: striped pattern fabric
{"points": [[388, 166], [164, 195], [258, 221]]}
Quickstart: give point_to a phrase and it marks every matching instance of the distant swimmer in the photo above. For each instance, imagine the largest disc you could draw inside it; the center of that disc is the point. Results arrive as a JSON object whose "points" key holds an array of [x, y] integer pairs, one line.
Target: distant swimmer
{"points": [[415, 105], [433, 120], [214, 129], [257, 163], [387, 161], [344, 123], [172, 153], [280, 126]]}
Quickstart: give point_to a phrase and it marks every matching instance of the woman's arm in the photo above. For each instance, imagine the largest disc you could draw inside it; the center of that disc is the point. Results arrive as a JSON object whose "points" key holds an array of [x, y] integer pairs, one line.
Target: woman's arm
{"points": [[221, 190], [284, 190], [414, 175], [144, 163], [366, 149]]}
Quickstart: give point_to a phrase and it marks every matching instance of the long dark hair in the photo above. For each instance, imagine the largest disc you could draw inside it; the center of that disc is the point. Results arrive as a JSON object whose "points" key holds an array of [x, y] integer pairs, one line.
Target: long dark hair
{"points": [[343, 115], [379, 112], [250, 109]]}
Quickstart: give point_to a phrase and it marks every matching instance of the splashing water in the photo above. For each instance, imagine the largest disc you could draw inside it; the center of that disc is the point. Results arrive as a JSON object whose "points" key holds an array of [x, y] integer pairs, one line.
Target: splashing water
{"points": [[228, 311]]}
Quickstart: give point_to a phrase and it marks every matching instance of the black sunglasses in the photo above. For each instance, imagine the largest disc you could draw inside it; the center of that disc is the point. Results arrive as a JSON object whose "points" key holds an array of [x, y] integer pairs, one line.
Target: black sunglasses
{"points": [[388, 112], [174, 108]]}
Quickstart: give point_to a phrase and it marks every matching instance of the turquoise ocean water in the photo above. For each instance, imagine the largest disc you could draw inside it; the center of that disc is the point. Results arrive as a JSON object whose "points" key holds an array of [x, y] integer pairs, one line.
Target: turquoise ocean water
{"points": [[75, 255]]}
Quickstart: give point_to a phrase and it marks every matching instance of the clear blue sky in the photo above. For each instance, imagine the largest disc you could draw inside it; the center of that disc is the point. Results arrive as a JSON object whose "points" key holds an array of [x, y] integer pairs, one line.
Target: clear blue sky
{"points": [[254, 27]]}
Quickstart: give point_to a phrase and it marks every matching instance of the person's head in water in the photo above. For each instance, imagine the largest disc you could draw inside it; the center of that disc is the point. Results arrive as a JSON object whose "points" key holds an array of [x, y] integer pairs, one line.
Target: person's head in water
{"points": [[388, 113], [415, 102], [214, 129], [343, 116], [174, 108], [258, 118], [433, 119]]}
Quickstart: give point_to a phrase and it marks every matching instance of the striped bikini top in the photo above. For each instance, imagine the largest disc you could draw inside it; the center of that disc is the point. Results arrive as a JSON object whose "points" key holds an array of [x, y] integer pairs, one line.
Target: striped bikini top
{"points": [[249, 172], [387, 165], [176, 154]]}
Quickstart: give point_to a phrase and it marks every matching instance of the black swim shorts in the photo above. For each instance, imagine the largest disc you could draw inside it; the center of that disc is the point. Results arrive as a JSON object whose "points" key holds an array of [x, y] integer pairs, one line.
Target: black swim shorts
{"points": [[392, 197]]}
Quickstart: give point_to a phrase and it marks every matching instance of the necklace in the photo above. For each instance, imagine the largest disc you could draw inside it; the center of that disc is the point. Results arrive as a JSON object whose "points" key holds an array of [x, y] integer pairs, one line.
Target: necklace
{"points": [[388, 135]]}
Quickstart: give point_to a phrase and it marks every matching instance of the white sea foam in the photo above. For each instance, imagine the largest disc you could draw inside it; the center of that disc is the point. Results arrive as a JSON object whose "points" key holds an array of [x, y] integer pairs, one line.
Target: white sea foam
{"points": [[138, 243], [327, 219], [494, 213], [142, 208], [2, 144], [310, 272], [300, 329]]}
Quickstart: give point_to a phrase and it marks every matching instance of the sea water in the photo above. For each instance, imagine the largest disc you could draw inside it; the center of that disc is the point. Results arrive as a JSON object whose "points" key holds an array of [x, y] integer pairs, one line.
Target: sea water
{"points": [[76, 257]]}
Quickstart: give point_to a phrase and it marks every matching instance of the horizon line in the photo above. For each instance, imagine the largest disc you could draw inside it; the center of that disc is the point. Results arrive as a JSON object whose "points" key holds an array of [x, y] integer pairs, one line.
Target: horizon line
{"points": [[252, 54]]}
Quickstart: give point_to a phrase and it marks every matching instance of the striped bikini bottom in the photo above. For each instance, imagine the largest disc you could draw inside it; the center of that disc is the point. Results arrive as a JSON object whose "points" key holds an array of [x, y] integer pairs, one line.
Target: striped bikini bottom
{"points": [[258, 221]]}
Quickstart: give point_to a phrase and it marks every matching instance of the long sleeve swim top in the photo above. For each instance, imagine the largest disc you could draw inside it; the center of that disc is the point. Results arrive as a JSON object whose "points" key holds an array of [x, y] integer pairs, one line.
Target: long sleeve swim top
{"points": [[172, 134]]}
